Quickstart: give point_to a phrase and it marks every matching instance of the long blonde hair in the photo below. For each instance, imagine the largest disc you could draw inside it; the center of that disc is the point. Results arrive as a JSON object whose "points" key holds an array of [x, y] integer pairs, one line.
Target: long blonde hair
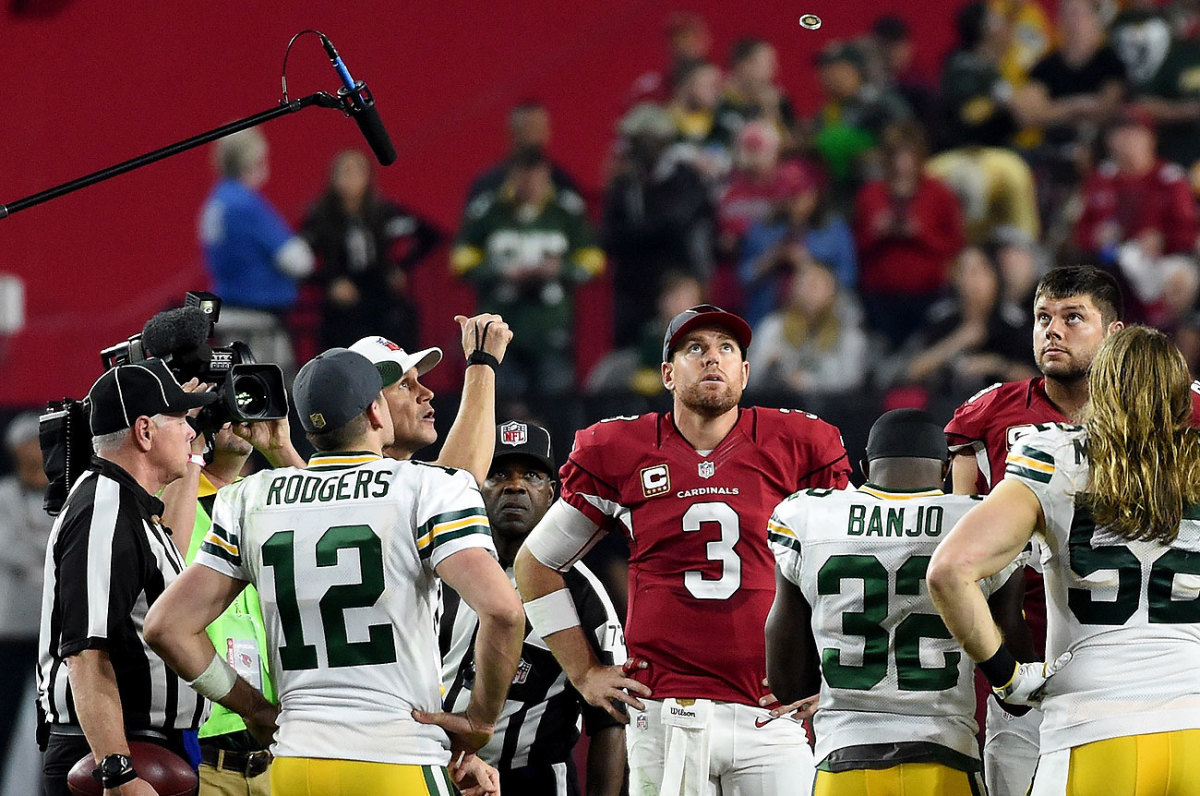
{"points": [[1144, 453]]}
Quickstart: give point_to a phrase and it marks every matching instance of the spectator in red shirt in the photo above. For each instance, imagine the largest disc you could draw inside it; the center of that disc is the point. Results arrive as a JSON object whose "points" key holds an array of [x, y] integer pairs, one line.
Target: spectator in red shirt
{"points": [[1140, 218], [908, 228]]}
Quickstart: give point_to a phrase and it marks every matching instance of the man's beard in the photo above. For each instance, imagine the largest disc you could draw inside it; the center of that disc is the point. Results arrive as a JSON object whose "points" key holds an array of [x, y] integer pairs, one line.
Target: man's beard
{"points": [[1067, 373], [708, 404]]}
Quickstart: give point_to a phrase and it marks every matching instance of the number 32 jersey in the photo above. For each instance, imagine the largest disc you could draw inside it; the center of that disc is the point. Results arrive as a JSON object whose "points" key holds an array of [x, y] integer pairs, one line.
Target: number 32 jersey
{"points": [[701, 574], [1128, 611], [891, 673], [344, 556]]}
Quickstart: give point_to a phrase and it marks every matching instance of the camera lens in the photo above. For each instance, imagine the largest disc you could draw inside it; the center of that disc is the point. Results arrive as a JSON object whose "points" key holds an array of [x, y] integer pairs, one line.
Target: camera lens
{"points": [[251, 395]]}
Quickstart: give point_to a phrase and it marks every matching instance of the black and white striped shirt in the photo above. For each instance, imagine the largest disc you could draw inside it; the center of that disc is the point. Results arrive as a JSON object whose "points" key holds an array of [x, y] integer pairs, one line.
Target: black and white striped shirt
{"points": [[539, 723], [107, 561]]}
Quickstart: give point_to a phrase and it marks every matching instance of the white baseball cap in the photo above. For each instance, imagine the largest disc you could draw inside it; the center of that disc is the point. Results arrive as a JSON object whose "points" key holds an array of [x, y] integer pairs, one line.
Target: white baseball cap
{"points": [[393, 361]]}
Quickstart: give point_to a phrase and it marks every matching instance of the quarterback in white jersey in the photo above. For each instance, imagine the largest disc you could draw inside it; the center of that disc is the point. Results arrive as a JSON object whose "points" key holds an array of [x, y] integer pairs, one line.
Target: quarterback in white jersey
{"points": [[896, 690], [346, 557], [1116, 504]]}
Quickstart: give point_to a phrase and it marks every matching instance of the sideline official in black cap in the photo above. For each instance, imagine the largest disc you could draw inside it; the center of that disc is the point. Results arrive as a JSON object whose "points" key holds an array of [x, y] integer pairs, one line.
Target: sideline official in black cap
{"points": [[109, 559]]}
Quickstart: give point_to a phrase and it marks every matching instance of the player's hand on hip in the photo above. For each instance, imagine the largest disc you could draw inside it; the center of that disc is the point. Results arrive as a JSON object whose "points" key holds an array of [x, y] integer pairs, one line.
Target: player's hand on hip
{"points": [[487, 332], [262, 724], [467, 735], [473, 777], [796, 711], [1027, 688], [601, 686]]}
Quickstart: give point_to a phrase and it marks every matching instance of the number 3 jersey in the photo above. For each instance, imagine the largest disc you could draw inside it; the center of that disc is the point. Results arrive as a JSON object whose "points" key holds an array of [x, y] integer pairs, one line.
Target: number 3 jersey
{"points": [[891, 673], [1128, 611], [701, 575], [344, 556]]}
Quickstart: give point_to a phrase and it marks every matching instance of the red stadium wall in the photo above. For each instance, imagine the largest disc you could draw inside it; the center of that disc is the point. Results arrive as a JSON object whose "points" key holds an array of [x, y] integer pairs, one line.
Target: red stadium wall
{"points": [[93, 83]]}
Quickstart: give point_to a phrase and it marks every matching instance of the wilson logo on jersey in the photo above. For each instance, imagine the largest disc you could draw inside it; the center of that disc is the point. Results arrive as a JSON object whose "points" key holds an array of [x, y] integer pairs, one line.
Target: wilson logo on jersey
{"points": [[707, 469], [656, 480]]}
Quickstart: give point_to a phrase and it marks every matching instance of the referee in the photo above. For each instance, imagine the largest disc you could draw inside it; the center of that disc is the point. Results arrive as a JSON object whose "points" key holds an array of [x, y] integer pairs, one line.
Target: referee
{"points": [[108, 560], [538, 728]]}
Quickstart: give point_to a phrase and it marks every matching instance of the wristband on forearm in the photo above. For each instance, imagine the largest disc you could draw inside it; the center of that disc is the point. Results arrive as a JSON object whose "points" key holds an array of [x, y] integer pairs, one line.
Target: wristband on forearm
{"points": [[481, 357], [552, 612], [1000, 668], [216, 681]]}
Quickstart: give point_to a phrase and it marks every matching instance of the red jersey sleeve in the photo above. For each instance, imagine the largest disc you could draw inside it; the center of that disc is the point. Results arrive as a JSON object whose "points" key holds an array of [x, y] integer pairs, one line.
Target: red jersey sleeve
{"points": [[828, 455], [968, 426], [586, 479]]}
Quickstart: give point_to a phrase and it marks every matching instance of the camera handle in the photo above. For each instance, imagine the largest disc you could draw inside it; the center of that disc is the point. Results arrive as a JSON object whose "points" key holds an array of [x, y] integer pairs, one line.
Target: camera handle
{"points": [[320, 99]]}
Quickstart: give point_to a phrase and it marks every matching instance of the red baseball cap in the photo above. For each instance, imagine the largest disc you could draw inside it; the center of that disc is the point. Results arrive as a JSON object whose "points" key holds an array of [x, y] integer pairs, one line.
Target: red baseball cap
{"points": [[705, 315]]}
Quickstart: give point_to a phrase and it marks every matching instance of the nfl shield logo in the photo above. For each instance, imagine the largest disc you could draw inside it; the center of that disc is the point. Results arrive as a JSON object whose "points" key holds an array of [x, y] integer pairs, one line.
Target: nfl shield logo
{"points": [[514, 433], [707, 469]]}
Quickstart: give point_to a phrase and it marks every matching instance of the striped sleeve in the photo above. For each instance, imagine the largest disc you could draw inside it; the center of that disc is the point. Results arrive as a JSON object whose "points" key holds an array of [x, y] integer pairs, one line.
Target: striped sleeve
{"points": [[220, 549], [1027, 462], [450, 517], [98, 539], [784, 531]]}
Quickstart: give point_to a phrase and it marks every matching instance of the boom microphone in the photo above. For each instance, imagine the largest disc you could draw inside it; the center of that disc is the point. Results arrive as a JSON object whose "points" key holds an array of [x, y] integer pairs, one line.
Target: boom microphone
{"points": [[180, 329], [179, 336], [359, 103]]}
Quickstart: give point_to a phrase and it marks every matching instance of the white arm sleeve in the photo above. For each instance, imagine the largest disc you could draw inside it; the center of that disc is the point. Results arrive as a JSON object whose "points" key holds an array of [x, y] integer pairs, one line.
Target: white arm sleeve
{"points": [[295, 258], [563, 536]]}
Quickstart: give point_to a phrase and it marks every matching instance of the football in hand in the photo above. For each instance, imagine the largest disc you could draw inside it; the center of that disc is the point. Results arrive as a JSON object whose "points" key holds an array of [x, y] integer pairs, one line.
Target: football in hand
{"points": [[166, 771]]}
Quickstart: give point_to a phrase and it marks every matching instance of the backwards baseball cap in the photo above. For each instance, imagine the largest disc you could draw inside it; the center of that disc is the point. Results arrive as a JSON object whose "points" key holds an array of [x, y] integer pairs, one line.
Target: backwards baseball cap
{"points": [[704, 315], [907, 433], [515, 438], [124, 393], [393, 361], [333, 388]]}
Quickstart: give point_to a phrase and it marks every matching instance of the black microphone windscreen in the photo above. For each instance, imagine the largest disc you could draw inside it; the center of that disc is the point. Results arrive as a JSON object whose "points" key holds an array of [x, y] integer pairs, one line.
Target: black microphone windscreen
{"points": [[372, 129], [179, 330]]}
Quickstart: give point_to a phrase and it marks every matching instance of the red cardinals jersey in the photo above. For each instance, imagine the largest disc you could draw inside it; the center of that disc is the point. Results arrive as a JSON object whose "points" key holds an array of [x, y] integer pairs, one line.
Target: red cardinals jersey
{"points": [[995, 418], [701, 574]]}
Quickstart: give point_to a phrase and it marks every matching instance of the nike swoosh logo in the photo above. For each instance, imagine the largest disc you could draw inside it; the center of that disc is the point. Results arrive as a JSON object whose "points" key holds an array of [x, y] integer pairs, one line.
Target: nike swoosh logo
{"points": [[760, 723]]}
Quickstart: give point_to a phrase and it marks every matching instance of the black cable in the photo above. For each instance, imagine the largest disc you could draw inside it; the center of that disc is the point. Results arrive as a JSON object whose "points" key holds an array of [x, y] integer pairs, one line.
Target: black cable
{"points": [[288, 51]]}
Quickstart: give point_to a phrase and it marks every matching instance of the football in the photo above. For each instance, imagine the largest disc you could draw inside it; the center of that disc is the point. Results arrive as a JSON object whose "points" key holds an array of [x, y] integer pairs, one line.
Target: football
{"points": [[169, 773]]}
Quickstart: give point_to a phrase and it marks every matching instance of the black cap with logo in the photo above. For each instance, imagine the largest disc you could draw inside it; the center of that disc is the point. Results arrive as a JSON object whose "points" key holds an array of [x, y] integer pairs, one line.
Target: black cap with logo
{"points": [[517, 438], [333, 388]]}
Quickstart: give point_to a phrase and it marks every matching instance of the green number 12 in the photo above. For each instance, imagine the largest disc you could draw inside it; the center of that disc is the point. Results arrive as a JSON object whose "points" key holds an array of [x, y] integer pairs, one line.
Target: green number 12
{"points": [[278, 553]]}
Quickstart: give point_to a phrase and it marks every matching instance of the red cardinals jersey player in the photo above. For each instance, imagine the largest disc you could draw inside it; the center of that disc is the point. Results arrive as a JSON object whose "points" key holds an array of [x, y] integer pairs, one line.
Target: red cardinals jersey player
{"points": [[692, 490]]}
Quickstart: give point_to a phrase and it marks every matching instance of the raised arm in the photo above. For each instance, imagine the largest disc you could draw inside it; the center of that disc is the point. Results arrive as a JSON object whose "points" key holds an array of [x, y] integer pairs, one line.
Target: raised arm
{"points": [[472, 437]]}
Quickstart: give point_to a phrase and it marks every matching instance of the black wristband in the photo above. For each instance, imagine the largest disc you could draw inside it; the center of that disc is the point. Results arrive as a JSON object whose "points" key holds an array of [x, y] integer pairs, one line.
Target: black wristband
{"points": [[481, 357], [1000, 668]]}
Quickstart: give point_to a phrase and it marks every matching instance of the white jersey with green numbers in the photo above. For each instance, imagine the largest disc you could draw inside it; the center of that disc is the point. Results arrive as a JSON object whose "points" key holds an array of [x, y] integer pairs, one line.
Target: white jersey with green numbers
{"points": [[1129, 612], [344, 555], [890, 670]]}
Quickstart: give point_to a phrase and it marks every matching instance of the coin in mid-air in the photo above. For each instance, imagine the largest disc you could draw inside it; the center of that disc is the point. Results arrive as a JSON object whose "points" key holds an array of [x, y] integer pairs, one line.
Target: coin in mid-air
{"points": [[810, 21]]}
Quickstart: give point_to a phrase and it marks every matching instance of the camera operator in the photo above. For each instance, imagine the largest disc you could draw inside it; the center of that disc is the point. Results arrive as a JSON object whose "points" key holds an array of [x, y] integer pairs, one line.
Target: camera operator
{"points": [[108, 560]]}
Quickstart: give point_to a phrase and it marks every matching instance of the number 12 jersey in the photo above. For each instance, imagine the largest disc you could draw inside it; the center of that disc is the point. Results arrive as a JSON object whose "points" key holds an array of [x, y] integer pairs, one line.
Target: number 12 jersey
{"points": [[344, 556]]}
